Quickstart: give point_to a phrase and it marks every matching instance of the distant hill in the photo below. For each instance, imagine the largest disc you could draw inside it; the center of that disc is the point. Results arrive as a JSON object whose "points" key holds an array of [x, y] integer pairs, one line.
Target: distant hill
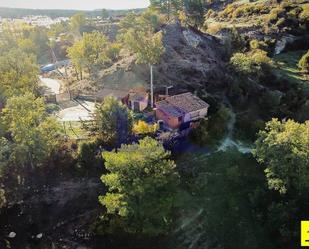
{"points": [[53, 13]]}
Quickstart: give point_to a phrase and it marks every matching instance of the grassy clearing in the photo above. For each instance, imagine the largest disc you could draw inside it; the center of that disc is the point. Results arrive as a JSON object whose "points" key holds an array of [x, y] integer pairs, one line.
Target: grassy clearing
{"points": [[220, 194], [287, 67], [73, 129]]}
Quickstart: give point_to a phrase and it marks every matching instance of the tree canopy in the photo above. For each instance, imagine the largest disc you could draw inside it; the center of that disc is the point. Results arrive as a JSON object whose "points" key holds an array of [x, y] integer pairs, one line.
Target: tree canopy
{"points": [[92, 51], [139, 36], [141, 185], [113, 121], [33, 131], [283, 147], [18, 73]]}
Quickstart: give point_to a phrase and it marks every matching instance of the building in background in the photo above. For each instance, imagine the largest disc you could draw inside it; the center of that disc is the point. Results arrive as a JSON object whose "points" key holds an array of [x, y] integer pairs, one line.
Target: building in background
{"points": [[181, 109]]}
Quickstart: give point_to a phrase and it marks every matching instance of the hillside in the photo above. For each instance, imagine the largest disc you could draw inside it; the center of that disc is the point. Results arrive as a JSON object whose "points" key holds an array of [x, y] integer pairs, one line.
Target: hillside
{"points": [[191, 60]]}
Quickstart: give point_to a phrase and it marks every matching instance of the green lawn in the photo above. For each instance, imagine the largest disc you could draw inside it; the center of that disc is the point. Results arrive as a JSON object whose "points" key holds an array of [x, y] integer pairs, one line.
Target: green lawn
{"points": [[73, 129], [287, 66]]}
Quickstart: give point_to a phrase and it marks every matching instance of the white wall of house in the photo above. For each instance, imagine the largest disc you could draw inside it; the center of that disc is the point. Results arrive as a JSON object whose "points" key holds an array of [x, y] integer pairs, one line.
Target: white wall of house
{"points": [[192, 116], [187, 118]]}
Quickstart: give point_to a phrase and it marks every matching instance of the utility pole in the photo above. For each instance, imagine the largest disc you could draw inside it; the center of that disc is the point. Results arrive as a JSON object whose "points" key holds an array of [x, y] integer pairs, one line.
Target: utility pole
{"points": [[151, 85], [167, 88]]}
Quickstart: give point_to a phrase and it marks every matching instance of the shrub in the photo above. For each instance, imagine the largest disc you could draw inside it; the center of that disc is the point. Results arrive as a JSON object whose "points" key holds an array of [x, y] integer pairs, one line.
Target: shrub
{"points": [[88, 156], [255, 62], [52, 108], [304, 15], [256, 44], [250, 9], [213, 129], [141, 127], [113, 51], [2, 198], [214, 28], [304, 62]]}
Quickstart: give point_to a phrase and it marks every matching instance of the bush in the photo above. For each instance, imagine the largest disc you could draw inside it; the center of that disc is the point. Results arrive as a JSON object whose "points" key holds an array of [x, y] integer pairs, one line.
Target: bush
{"points": [[304, 15], [113, 51], [304, 62], [249, 9], [2, 198], [52, 108], [214, 28], [142, 128], [255, 62], [88, 156], [213, 129]]}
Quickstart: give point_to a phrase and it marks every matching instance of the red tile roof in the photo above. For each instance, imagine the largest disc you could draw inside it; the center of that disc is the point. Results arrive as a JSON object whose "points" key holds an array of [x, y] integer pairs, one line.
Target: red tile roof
{"points": [[185, 102]]}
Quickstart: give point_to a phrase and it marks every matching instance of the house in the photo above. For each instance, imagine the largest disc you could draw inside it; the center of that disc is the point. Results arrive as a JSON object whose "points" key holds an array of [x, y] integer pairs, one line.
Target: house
{"points": [[138, 99], [181, 109]]}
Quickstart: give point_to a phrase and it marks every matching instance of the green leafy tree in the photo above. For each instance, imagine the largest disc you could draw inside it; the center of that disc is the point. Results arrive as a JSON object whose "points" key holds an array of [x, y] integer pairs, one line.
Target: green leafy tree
{"points": [[113, 121], [283, 147], [33, 132], [92, 51], [77, 21], [148, 47], [18, 73], [95, 45], [141, 183], [304, 62], [76, 55]]}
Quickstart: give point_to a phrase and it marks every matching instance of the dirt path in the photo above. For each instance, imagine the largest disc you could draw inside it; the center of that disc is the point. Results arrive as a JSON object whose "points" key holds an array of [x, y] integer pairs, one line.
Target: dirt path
{"points": [[52, 85]]}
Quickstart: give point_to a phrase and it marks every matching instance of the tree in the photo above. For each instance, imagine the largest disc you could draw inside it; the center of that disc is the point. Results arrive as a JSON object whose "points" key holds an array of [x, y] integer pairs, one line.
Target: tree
{"points": [[105, 14], [34, 133], [91, 51], [141, 185], [95, 46], [18, 73], [148, 47], [304, 62], [76, 55], [77, 21], [113, 121], [283, 147], [195, 11]]}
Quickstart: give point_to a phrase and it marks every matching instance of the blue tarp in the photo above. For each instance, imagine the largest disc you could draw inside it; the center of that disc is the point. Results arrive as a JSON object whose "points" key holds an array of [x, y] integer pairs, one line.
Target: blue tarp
{"points": [[48, 68]]}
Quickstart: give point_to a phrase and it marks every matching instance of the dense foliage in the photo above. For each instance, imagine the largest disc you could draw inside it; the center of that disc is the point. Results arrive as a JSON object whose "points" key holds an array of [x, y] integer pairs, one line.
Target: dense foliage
{"points": [[283, 147], [141, 185], [18, 73], [304, 62], [33, 132], [113, 122]]}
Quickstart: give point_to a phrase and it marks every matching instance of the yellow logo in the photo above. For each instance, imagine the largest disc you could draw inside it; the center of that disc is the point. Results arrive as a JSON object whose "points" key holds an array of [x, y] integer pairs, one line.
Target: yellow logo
{"points": [[304, 233]]}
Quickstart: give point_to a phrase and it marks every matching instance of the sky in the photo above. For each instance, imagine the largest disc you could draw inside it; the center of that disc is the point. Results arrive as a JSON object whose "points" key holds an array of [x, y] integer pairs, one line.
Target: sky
{"points": [[75, 4]]}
